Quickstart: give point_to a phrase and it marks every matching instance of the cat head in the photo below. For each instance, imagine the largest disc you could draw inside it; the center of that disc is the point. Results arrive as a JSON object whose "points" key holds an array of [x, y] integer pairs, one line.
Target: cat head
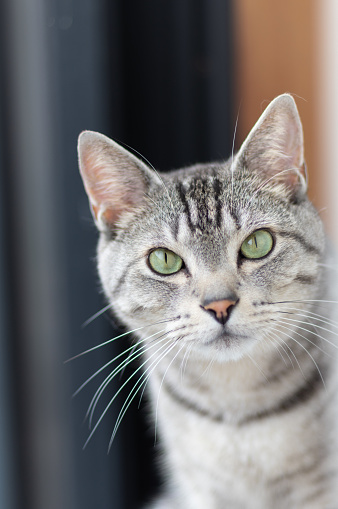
{"points": [[211, 253]]}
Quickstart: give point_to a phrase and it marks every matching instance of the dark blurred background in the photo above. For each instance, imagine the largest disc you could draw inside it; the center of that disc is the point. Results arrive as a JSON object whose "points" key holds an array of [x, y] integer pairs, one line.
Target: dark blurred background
{"points": [[167, 78]]}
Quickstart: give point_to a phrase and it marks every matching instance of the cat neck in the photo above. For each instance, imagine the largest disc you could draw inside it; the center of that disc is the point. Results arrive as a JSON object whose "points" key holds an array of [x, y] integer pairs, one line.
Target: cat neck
{"points": [[236, 391]]}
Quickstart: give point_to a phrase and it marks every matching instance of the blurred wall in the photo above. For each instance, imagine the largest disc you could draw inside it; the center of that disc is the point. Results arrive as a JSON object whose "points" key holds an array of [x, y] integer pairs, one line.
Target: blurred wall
{"points": [[327, 97], [276, 52], [292, 46]]}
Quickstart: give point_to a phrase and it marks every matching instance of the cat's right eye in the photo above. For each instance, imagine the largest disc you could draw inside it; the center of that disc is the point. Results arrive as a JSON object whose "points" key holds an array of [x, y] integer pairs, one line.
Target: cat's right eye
{"points": [[257, 245], [164, 261]]}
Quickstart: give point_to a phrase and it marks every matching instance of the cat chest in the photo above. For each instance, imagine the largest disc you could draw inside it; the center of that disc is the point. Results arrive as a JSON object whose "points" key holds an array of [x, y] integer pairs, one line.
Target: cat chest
{"points": [[260, 451]]}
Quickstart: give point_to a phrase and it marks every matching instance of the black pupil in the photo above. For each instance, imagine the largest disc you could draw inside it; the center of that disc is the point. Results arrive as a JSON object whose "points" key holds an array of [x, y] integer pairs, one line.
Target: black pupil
{"points": [[166, 258], [255, 240]]}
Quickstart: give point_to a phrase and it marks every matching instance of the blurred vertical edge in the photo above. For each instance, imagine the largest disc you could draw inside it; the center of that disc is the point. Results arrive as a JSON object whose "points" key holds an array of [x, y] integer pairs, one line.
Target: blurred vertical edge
{"points": [[8, 444], [33, 263]]}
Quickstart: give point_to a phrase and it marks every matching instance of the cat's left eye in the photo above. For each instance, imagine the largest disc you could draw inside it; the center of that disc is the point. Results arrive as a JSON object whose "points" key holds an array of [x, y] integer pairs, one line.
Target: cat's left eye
{"points": [[257, 245], [164, 261]]}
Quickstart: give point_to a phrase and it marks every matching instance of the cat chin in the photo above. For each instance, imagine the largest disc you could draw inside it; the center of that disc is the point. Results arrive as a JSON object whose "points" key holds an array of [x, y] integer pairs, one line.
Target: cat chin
{"points": [[226, 349]]}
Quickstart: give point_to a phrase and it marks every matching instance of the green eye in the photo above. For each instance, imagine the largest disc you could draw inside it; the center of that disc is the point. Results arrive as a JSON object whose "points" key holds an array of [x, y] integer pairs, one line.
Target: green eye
{"points": [[164, 261], [257, 245]]}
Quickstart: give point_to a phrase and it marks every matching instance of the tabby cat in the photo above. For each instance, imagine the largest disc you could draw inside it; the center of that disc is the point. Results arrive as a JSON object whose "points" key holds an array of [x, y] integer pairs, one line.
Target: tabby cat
{"points": [[222, 273]]}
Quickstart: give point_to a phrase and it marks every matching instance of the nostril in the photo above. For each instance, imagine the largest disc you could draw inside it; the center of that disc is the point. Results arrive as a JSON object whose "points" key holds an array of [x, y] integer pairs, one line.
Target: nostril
{"points": [[220, 309], [219, 316]]}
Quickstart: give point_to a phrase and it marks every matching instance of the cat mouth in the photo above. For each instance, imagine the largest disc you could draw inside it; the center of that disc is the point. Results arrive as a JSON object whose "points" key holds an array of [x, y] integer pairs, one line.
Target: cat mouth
{"points": [[226, 347], [227, 339]]}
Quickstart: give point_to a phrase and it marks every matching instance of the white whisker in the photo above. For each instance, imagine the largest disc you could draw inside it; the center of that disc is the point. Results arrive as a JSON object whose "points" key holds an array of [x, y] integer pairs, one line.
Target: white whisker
{"points": [[313, 360], [274, 342], [141, 350], [258, 367], [146, 374], [114, 397], [96, 315], [155, 171], [232, 159], [161, 384], [104, 344], [297, 301], [117, 337], [310, 314], [185, 360], [131, 348], [277, 332], [290, 321], [283, 347]]}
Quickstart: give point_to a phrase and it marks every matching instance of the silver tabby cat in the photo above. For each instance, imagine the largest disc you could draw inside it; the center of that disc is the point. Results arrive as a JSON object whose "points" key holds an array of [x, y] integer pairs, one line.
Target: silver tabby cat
{"points": [[222, 271]]}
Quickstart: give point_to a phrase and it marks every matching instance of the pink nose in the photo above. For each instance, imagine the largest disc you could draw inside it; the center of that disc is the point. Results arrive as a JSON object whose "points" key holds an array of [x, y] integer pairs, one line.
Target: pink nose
{"points": [[220, 308]]}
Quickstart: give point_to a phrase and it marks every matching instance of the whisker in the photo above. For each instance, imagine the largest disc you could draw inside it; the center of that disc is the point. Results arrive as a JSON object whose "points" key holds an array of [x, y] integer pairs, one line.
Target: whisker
{"points": [[107, 364], [320, 301], [155, 171], [185, 360], [315, 316], [114, 397], [207, 368], [287, 327], [141, 350], [132, 394], [232, 159], [278, 338], [274, 342], [277, 333], [315, 325], [313, 360], [103, 344], [118, 337], [161, 384], [288, 320], [121, 367], [290, 350], [96, 315], [130, 357], [258, 367], [303, 347], [179, 338]]}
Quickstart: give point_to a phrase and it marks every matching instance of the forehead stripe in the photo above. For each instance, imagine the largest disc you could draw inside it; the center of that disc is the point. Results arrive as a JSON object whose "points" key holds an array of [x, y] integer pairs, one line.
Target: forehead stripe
{"points": [[202, 203], [182, 196]]}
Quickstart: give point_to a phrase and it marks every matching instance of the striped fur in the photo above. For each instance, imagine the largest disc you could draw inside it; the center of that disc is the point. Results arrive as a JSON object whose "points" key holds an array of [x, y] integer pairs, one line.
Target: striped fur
{"points": [[245, 410]]}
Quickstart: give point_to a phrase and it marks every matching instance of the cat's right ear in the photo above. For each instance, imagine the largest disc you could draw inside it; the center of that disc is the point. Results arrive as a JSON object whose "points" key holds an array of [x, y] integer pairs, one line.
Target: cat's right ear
{"points": [[115, 180], [275, 147]]}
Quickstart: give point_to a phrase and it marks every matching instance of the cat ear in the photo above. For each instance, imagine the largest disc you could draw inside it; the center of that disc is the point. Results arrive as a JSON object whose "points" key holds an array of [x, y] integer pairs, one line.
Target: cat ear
{"points": [[275, 146], [115, 180]]}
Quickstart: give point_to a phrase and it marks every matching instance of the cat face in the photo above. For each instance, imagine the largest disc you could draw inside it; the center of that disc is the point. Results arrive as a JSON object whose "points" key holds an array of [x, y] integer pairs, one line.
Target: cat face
{"points": [[208, 255]]}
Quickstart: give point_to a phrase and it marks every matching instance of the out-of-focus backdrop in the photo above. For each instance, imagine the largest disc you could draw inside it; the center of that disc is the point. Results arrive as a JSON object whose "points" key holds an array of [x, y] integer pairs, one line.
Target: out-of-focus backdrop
{"points": [[169, 79]]}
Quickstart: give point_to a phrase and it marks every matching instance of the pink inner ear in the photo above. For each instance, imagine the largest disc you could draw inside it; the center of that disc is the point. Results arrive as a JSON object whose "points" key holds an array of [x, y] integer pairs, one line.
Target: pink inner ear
{"points": [[292, 178], [294, 147], [110, 214], [100, 186], [294, 144], [96, 178], [111, 189]]}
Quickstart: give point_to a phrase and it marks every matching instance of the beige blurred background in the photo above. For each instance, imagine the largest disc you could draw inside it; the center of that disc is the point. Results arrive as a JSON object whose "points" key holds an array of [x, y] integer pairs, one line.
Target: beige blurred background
{"points": [[292, 46]]}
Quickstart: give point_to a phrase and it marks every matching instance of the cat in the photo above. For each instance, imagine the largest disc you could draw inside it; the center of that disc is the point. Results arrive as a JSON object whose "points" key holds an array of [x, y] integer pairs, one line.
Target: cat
{"points": [[222, 271]]}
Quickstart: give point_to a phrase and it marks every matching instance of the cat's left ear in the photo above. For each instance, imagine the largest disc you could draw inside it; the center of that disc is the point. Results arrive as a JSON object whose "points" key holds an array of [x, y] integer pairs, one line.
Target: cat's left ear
{"points": [[275, 146], [115, 180]]}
